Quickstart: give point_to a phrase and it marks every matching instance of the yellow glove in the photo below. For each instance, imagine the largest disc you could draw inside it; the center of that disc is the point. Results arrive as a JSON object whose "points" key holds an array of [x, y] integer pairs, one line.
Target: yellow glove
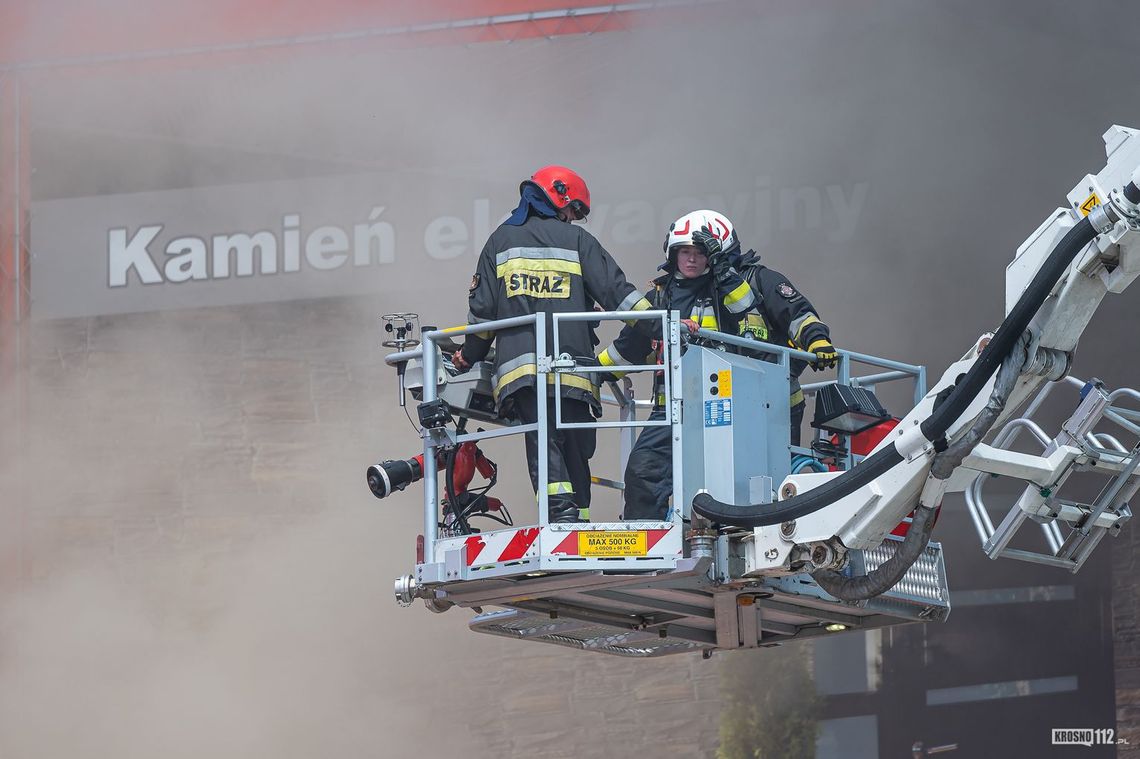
{"points": [[825, 354]]}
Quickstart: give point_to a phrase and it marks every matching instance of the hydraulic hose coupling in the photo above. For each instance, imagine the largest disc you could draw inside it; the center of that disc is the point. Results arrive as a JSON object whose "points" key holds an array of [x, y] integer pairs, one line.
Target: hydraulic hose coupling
{"points": [[406, 589], [1126, 203], [701, 543], [1050, 363], [1132, 189]]}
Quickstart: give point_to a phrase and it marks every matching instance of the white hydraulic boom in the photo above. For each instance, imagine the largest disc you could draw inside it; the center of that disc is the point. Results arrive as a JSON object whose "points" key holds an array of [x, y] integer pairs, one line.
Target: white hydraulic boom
{"points": [[1107, 264]]}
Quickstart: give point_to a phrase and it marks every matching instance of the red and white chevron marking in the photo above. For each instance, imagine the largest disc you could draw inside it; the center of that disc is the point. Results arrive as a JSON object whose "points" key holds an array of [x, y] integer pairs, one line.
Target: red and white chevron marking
{"points": [[512, 545], [501, 545]]}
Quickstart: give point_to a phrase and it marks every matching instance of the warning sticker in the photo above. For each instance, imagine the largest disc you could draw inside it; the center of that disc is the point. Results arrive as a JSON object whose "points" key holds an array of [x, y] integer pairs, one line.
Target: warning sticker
{"points": [[624, 543], [718, 413], [1091, 202], [724, 383]]}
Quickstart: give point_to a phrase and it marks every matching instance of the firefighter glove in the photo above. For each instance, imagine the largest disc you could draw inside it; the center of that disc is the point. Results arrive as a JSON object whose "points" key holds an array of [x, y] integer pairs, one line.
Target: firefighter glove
{"points": [[825, 355], [604, 377], [707, 242]]}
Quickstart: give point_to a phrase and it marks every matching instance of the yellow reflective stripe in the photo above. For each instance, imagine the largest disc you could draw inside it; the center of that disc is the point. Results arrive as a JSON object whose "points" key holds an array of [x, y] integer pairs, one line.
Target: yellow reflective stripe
{"points": [[584, 515], [573, 380], [513, 375], [641, 305], [819, 344], [797, 398], [809, 319], [754, 324], [703, 319], [538, 264], [484, 335], [741, 292], [605, 359], [570, 380], [559, 488]]}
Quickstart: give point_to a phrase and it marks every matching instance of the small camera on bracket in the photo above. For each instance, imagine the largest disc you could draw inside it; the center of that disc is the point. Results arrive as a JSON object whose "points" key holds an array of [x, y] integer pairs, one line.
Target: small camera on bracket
{"points": [[398, 328]]}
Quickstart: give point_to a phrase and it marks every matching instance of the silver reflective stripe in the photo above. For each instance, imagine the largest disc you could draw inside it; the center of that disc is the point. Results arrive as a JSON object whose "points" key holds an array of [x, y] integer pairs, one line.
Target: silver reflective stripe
{"points": [[630, 301], [560, 254], [617, 358], [514, 363], [743, 304], [795, 326]]}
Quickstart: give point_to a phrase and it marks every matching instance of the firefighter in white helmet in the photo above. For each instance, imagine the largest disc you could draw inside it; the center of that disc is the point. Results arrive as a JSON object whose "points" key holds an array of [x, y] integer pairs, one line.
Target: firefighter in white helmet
{"points": [[713, 286]]}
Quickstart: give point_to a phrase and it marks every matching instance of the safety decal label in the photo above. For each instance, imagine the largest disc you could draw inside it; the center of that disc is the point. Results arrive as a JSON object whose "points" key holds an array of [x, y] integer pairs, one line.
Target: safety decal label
{"points": [[718, 413], [1091, 202], [613, 543], [724, 383], [609, 542]]}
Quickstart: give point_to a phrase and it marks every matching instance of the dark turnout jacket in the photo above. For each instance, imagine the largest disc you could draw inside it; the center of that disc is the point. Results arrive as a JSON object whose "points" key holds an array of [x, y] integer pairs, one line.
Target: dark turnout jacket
{"points": [[712, 305], [550, 266], [776, 313]]}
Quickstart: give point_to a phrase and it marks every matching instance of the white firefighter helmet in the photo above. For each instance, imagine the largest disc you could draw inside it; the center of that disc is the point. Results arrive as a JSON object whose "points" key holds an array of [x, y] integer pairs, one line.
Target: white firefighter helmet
{"points": [[681, 231]]}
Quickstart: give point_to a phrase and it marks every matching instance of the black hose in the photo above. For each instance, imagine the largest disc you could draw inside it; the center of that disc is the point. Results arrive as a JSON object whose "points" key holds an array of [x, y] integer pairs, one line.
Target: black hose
{"points": [[449, 490], [891, 572], [935, 426], [887, 575], [944, 463], [1010, 330], [759, 515], [1132, 193]]}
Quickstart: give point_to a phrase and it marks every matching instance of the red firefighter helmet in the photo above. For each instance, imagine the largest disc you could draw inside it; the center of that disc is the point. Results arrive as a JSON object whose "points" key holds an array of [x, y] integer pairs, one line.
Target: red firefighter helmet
{"points": [[562, 187]]}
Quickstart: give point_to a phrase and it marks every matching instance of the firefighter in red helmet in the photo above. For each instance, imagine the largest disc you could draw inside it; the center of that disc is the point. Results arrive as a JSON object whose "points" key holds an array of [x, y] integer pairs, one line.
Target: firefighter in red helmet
{"points": [[538, 261]]}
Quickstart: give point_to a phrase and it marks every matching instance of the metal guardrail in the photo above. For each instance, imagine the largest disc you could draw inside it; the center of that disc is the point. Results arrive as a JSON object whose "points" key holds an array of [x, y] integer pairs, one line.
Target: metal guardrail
{"points": [[897, 370], [625, 316], [433, 439]]}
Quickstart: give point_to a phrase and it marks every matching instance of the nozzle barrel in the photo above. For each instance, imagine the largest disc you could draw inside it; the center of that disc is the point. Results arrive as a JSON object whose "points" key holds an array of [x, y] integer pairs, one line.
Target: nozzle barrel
{"points": [[389, 476]]}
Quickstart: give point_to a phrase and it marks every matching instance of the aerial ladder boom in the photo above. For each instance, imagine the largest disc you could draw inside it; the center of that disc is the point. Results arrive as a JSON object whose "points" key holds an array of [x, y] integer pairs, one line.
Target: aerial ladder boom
{"points": [[767, 542], [1103, 256]]}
